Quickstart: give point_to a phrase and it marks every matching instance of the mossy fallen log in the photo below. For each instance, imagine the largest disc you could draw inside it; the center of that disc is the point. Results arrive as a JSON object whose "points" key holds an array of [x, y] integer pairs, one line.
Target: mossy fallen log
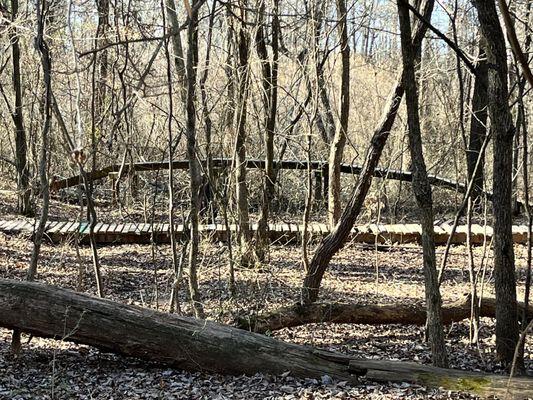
{"points": [[192, 344]]}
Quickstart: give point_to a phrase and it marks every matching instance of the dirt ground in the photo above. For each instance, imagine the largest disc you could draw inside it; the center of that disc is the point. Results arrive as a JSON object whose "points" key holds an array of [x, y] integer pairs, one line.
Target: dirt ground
{"points": [[142, 275]]}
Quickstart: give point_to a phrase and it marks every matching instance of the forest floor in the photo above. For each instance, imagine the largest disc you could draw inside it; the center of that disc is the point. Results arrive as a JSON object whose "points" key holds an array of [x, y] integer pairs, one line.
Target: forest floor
{"points": [[142, 275]]}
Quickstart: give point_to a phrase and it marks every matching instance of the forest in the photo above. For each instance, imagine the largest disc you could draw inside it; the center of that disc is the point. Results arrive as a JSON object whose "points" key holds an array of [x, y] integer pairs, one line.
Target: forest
{"points": [[265, 199]]}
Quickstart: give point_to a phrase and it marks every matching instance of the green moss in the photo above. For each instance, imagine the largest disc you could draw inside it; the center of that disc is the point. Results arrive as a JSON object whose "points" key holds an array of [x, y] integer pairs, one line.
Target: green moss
{"points": [[473, 384]]}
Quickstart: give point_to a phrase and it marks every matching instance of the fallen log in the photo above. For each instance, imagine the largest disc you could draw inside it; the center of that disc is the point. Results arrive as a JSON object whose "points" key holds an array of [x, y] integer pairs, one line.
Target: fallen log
{"points": [[207, 346], [455, 380], [370, 314]]}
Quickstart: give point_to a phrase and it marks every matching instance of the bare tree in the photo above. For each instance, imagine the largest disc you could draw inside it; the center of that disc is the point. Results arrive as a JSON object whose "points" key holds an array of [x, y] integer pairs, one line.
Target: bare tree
{"points": [[339, 141], [21, 148], [270, 101], [503, 133], [422, 192], [243, 49], [336, 239], [192, 154]]}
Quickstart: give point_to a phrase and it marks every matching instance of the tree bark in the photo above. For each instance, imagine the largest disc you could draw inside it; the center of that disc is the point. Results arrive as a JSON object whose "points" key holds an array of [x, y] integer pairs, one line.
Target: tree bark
{"points": [[195, 181], [102, 63], [46, 64], [336, 239], [422, 192], [245, 236], [177, 49], [339, 141], [478, 126], [21, 147], [368, 314], [503, 133], [270, 100]]}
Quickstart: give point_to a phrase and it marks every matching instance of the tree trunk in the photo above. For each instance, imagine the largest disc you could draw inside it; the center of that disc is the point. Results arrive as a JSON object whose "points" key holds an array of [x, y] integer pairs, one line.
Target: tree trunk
{"points": [[21, 147], [270, 100], [102, 63], [194, 165], [339, 141], [503, 132], [336, 239], [245, 236], [422, 192], [174, 305], [46, 64], [478, 127], [192, 344], [177, 49]]}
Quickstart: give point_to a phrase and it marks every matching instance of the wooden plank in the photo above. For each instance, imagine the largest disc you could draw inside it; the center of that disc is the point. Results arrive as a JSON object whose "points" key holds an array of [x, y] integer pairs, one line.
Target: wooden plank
{"points": [[17, 227], [10, 225], [97, 227], [137, 228], [520, 234], [410, 233], [374, 229], [324, 229], [477, 229], [49, 226], [314, 227], [74, 227], [441, 237], [103, 229], [67, 227], [146, 228], [83, 227], [203, 228], [210, 228], [127, 228], [413, 228], [3, 225], [6, 226], [364, 234], [25, 226], [391, 233], [119, 228], [459, 235], [57, 227], [110, 228]]}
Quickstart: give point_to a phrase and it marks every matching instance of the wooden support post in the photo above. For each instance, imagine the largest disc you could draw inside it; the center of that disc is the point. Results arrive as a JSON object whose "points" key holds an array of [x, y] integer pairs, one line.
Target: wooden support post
{"points": [[318, 186], [325, 176], [134, 185], [115, 186]]}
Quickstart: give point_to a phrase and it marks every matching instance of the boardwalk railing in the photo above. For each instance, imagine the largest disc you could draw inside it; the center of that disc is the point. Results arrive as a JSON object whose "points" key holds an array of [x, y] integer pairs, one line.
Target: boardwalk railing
{"points": [[219, 163]]}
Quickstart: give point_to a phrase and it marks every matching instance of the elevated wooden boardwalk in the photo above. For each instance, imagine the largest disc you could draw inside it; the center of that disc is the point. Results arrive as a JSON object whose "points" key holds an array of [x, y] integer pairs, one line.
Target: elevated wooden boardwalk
{"points": [[114, 233]]}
